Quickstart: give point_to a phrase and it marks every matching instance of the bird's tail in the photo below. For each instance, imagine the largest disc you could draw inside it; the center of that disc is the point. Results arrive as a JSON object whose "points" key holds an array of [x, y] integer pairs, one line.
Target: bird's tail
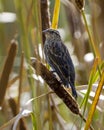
{"points": [[74, 93]]}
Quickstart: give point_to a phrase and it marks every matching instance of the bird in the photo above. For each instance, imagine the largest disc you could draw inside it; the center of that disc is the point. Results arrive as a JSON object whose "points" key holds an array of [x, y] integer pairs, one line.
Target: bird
{"points": [[58, 57]]}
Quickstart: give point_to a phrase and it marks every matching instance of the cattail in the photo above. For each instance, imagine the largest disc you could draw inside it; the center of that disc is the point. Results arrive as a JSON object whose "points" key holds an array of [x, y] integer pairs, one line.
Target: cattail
{"points": [[80, 4]]}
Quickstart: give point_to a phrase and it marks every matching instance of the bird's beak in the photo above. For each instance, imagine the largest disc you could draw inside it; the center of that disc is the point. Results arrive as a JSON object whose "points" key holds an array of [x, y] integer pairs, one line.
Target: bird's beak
{"points": [[44, 31]]}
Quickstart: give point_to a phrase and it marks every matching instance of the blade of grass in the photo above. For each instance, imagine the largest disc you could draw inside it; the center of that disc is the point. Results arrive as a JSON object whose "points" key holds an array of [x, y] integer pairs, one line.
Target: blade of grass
{"points": [[37, 20], [95, 101], [92, 74], [90, 83], [50, 114], [34, 121], [93, 45], [96, 76], [56, 14]]}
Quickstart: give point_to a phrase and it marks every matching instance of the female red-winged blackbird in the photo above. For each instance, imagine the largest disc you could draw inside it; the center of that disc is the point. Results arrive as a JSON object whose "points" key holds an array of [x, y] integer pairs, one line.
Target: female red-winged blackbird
{"points": [[59, 59]]}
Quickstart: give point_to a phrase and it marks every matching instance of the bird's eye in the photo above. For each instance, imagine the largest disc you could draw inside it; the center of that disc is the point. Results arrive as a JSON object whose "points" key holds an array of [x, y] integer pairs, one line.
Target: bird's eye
{"points": [[53, 32]]}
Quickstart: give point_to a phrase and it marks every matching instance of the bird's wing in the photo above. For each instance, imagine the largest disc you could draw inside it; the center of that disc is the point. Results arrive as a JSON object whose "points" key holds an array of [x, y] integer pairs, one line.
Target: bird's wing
{"points": [[60, 59]]}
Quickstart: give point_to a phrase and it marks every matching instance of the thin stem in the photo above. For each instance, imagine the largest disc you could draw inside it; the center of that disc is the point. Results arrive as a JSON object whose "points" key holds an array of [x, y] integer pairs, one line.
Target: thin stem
{"points": [[94, 49], [56, 14]]}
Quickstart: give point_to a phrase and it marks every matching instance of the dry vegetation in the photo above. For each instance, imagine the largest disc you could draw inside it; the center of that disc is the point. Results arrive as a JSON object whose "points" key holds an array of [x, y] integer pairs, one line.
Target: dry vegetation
{"points": [[30, 95]]}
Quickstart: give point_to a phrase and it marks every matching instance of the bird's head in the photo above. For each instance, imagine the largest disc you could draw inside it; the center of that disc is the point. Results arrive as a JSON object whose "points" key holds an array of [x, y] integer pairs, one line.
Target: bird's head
{"points": [[51, 33]]}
